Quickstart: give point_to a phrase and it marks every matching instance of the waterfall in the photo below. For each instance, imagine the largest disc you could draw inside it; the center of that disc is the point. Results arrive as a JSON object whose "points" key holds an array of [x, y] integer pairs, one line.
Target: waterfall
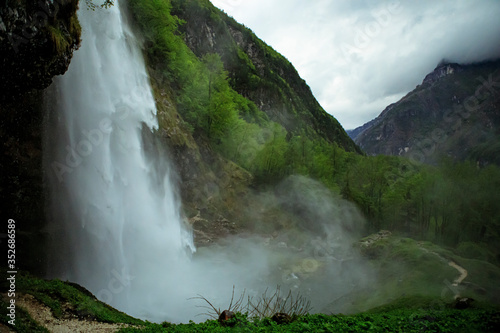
{"points": [[114, 218], [116, 221]]}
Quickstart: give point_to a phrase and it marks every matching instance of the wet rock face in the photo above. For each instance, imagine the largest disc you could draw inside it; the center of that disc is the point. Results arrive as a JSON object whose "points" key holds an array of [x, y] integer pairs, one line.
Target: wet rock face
{"points": [[442, 71], [37, 39]]}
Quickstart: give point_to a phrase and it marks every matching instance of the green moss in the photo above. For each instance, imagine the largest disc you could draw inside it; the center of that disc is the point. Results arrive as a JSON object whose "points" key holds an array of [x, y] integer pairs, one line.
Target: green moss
{"points": [[59, 40], [75, 28]]}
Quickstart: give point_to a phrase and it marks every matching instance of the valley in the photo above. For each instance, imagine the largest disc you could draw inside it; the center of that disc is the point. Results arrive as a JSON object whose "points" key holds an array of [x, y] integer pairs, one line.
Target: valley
{"points": [[158, 153]]}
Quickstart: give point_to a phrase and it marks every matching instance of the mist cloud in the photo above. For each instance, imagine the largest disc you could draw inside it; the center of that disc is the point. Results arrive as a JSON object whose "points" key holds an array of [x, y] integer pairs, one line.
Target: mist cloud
{"points": [[314, 255], [394, 44]]}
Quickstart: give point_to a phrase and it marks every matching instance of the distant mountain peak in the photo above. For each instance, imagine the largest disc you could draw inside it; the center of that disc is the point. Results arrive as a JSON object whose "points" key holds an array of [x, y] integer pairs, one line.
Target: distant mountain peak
{"points": [[443, 69], [438, 120]]}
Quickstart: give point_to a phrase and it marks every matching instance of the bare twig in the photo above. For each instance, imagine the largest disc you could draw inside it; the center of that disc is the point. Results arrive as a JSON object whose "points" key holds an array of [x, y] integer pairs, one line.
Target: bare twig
{"points": [[264, 305], [214, 312], [267, 306]]}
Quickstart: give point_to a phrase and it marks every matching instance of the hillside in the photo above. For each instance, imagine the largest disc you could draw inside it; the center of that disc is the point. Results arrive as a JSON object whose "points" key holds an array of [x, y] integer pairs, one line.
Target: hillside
{"points": [[419, 286], [454, 113], [234, 113], [225, 135], [257, 71]]}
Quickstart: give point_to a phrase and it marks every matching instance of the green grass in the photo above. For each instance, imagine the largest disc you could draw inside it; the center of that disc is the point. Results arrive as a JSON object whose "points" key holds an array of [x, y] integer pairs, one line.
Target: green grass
{"points": [[56, 293], [410, 294], [409, 268], [407, 314], [392, 320]]}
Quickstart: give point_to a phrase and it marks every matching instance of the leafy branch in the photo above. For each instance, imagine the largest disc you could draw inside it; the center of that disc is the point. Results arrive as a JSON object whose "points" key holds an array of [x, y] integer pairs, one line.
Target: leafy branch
{"points": [[91, 5]]}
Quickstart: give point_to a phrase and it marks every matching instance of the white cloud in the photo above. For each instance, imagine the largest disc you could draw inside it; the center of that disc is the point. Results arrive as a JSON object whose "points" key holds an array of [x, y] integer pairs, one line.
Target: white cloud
{"points": [[358, 56]]}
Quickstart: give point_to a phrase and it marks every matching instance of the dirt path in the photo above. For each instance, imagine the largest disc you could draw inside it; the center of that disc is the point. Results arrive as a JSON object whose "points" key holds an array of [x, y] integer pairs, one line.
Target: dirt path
{"points": [[43, 316], [460, 269], [463, 273]]}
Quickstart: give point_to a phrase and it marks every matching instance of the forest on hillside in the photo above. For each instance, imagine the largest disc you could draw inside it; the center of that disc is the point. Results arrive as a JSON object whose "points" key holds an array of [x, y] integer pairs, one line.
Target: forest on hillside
{"points": [[454, 204], [163, 165]]}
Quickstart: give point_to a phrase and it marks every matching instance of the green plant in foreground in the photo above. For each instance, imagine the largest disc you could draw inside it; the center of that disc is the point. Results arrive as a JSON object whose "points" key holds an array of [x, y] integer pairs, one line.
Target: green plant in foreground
{"points": [[399, 320]]}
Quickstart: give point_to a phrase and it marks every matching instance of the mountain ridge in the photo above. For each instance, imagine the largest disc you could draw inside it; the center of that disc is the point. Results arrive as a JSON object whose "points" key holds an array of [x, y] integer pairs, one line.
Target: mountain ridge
{"points": [[453, 113], [257, 71]]}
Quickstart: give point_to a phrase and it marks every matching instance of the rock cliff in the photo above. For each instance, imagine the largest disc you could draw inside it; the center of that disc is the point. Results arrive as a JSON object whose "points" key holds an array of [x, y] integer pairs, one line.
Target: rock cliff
{"points": [[454, 113], [37, 40]]}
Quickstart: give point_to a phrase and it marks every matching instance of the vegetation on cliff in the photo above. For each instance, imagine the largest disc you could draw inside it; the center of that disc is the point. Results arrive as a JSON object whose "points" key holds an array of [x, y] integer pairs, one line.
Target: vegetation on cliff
{"points": [[213, 94], [212, 98]]}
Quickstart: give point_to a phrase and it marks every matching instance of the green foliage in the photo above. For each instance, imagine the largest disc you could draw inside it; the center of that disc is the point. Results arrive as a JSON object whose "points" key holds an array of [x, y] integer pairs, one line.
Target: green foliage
{"points": [[56, 293], [449, 204], [269, 164], [92, 6], [258, 72], [432, 319], [214, 87]]}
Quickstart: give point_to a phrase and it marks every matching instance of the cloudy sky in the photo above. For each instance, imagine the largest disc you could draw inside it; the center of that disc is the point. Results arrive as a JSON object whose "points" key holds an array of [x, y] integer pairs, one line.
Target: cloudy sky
{"points": [[359, 56]]}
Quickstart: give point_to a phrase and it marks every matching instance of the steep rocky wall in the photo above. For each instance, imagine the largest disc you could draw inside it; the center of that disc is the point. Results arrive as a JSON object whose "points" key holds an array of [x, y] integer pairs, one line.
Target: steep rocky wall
{"points": [[37, 39], [454, 113], [213, 190]]}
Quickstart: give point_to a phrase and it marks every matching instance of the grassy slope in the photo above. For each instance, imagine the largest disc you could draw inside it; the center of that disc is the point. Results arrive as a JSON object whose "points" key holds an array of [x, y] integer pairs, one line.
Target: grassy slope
{"points": [[409, 314], [412, 293], [410, 268], [401, 320], [61, 297]]}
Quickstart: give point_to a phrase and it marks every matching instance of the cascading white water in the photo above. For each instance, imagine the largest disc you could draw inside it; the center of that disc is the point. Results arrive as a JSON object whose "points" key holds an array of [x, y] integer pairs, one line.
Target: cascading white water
{"points": [[116, 226], [117, 210]]}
